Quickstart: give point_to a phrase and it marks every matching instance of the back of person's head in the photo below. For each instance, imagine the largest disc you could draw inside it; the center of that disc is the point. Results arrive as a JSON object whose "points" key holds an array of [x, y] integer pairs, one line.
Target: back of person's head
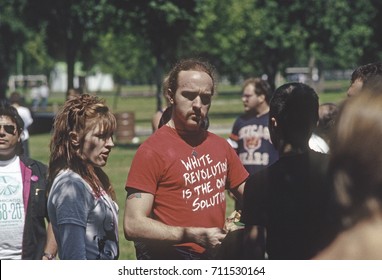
{"points": [[261, 86], [373, 84], [327, 113], [6, 109], [74, 92], [356, 158], [364, 72], [75, 119], [294, 106], [15, 98], [189, 65]]}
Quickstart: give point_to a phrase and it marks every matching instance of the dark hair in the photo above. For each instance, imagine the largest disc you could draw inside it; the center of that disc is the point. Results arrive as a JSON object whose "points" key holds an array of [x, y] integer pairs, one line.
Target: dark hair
{"points": [[166, 117], [327, 113], [6, 109], [262, 87], [16, 97], [364, 72], [295, 108], [373, 84]]}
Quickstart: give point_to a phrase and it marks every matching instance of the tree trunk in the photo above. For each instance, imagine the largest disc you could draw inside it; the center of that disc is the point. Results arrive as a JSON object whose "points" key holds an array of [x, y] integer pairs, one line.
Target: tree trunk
{"points": [[70, 62], [3, 83]]}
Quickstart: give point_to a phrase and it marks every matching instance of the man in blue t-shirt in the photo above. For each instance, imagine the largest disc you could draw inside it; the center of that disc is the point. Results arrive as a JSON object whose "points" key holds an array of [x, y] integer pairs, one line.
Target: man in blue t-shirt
{"points": [[250, 134]]}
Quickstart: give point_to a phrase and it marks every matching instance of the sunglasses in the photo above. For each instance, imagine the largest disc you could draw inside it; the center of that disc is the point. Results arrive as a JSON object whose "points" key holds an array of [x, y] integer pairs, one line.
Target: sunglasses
{"points": [[8, 128]]}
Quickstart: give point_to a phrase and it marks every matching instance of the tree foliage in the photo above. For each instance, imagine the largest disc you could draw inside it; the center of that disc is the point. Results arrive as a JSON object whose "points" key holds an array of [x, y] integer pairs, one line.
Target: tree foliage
{"points": [[254, 37], [72, 28], [13, 34], [161, 25]]}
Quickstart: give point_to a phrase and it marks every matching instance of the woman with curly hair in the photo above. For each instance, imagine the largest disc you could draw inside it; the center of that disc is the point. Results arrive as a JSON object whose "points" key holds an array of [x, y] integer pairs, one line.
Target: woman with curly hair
{"points": [[81, 200]]}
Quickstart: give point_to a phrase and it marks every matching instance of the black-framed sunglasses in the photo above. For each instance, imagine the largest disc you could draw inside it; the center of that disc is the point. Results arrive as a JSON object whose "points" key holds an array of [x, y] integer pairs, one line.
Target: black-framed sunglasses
{"points": [[8, 128]]}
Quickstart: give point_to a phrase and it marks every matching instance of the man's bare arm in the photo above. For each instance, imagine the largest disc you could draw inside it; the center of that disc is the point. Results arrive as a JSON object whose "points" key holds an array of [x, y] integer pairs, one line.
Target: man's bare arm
{"points": [[138, 225], [238, 192]]}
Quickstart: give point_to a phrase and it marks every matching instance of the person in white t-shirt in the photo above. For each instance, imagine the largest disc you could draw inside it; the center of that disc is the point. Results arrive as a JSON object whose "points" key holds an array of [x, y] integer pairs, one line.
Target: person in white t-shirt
{"points": [[23, 183], [44, 94], [319, 141]]}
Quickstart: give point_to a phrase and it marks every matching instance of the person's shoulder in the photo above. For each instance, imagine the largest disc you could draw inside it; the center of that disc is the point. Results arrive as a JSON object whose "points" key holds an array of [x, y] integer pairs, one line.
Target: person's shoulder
{"points": [[30, 162], [154, 137], [318, 156], [71, 180], [257, 188], [319, 160], [263, 173], [158, 141], [217, 138], [242, 118], [22, 109]]}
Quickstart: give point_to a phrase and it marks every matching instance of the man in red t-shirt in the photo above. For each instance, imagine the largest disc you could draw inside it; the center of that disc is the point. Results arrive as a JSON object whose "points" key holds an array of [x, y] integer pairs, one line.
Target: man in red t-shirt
{"points": [[175, 207]]}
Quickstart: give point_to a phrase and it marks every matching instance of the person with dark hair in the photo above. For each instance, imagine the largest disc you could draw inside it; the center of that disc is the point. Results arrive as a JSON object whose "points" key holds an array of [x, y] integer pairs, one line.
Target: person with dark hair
{"points": [[24, 218], [284, 203], [157, 121], [81, 200], [319, 141], [250, 134], [72, 93], [175, 206], [356, 175], [361, 75], [16, 101]]}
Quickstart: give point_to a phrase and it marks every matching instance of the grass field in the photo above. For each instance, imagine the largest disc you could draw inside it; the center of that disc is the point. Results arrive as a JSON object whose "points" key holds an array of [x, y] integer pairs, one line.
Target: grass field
{"points": [[226, 106]]}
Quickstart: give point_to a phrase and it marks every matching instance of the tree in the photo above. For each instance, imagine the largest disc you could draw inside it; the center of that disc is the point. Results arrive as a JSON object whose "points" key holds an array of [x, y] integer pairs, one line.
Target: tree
{"points": [[13, 34], [127, 59], [373, 50], [161, 25], [72, 28], [252, 37], [246, 38]]}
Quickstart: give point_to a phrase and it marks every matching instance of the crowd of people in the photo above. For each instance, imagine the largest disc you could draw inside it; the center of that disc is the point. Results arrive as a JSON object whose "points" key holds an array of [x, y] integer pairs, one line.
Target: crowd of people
{"points": [[305, 177]]}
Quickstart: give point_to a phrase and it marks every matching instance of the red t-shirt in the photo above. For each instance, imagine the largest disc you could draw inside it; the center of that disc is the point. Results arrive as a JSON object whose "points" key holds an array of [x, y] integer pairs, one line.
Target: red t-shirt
{"points": [[188, 183]]}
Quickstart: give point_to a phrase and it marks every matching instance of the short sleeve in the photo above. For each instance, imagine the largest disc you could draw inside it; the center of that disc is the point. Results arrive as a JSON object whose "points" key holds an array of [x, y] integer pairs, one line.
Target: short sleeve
{"points": [[146, 170], [72, 201]]}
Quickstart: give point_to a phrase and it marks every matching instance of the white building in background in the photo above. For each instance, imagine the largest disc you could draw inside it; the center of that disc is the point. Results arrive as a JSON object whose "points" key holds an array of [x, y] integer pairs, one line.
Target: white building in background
{"points": [[94, 83], [100, 82]]}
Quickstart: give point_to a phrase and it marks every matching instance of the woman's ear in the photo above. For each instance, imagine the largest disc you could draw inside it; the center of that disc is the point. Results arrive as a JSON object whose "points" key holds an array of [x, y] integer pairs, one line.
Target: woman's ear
{"points": [[74, 139]]}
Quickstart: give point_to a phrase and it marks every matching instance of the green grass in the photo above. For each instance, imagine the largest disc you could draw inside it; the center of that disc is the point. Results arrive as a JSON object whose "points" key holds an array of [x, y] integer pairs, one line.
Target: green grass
{"points": [[226, 106]]}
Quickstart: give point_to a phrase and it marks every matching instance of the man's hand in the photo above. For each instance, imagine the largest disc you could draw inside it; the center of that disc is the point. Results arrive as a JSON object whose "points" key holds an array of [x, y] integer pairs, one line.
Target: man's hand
{"points": [[205, 237]]}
